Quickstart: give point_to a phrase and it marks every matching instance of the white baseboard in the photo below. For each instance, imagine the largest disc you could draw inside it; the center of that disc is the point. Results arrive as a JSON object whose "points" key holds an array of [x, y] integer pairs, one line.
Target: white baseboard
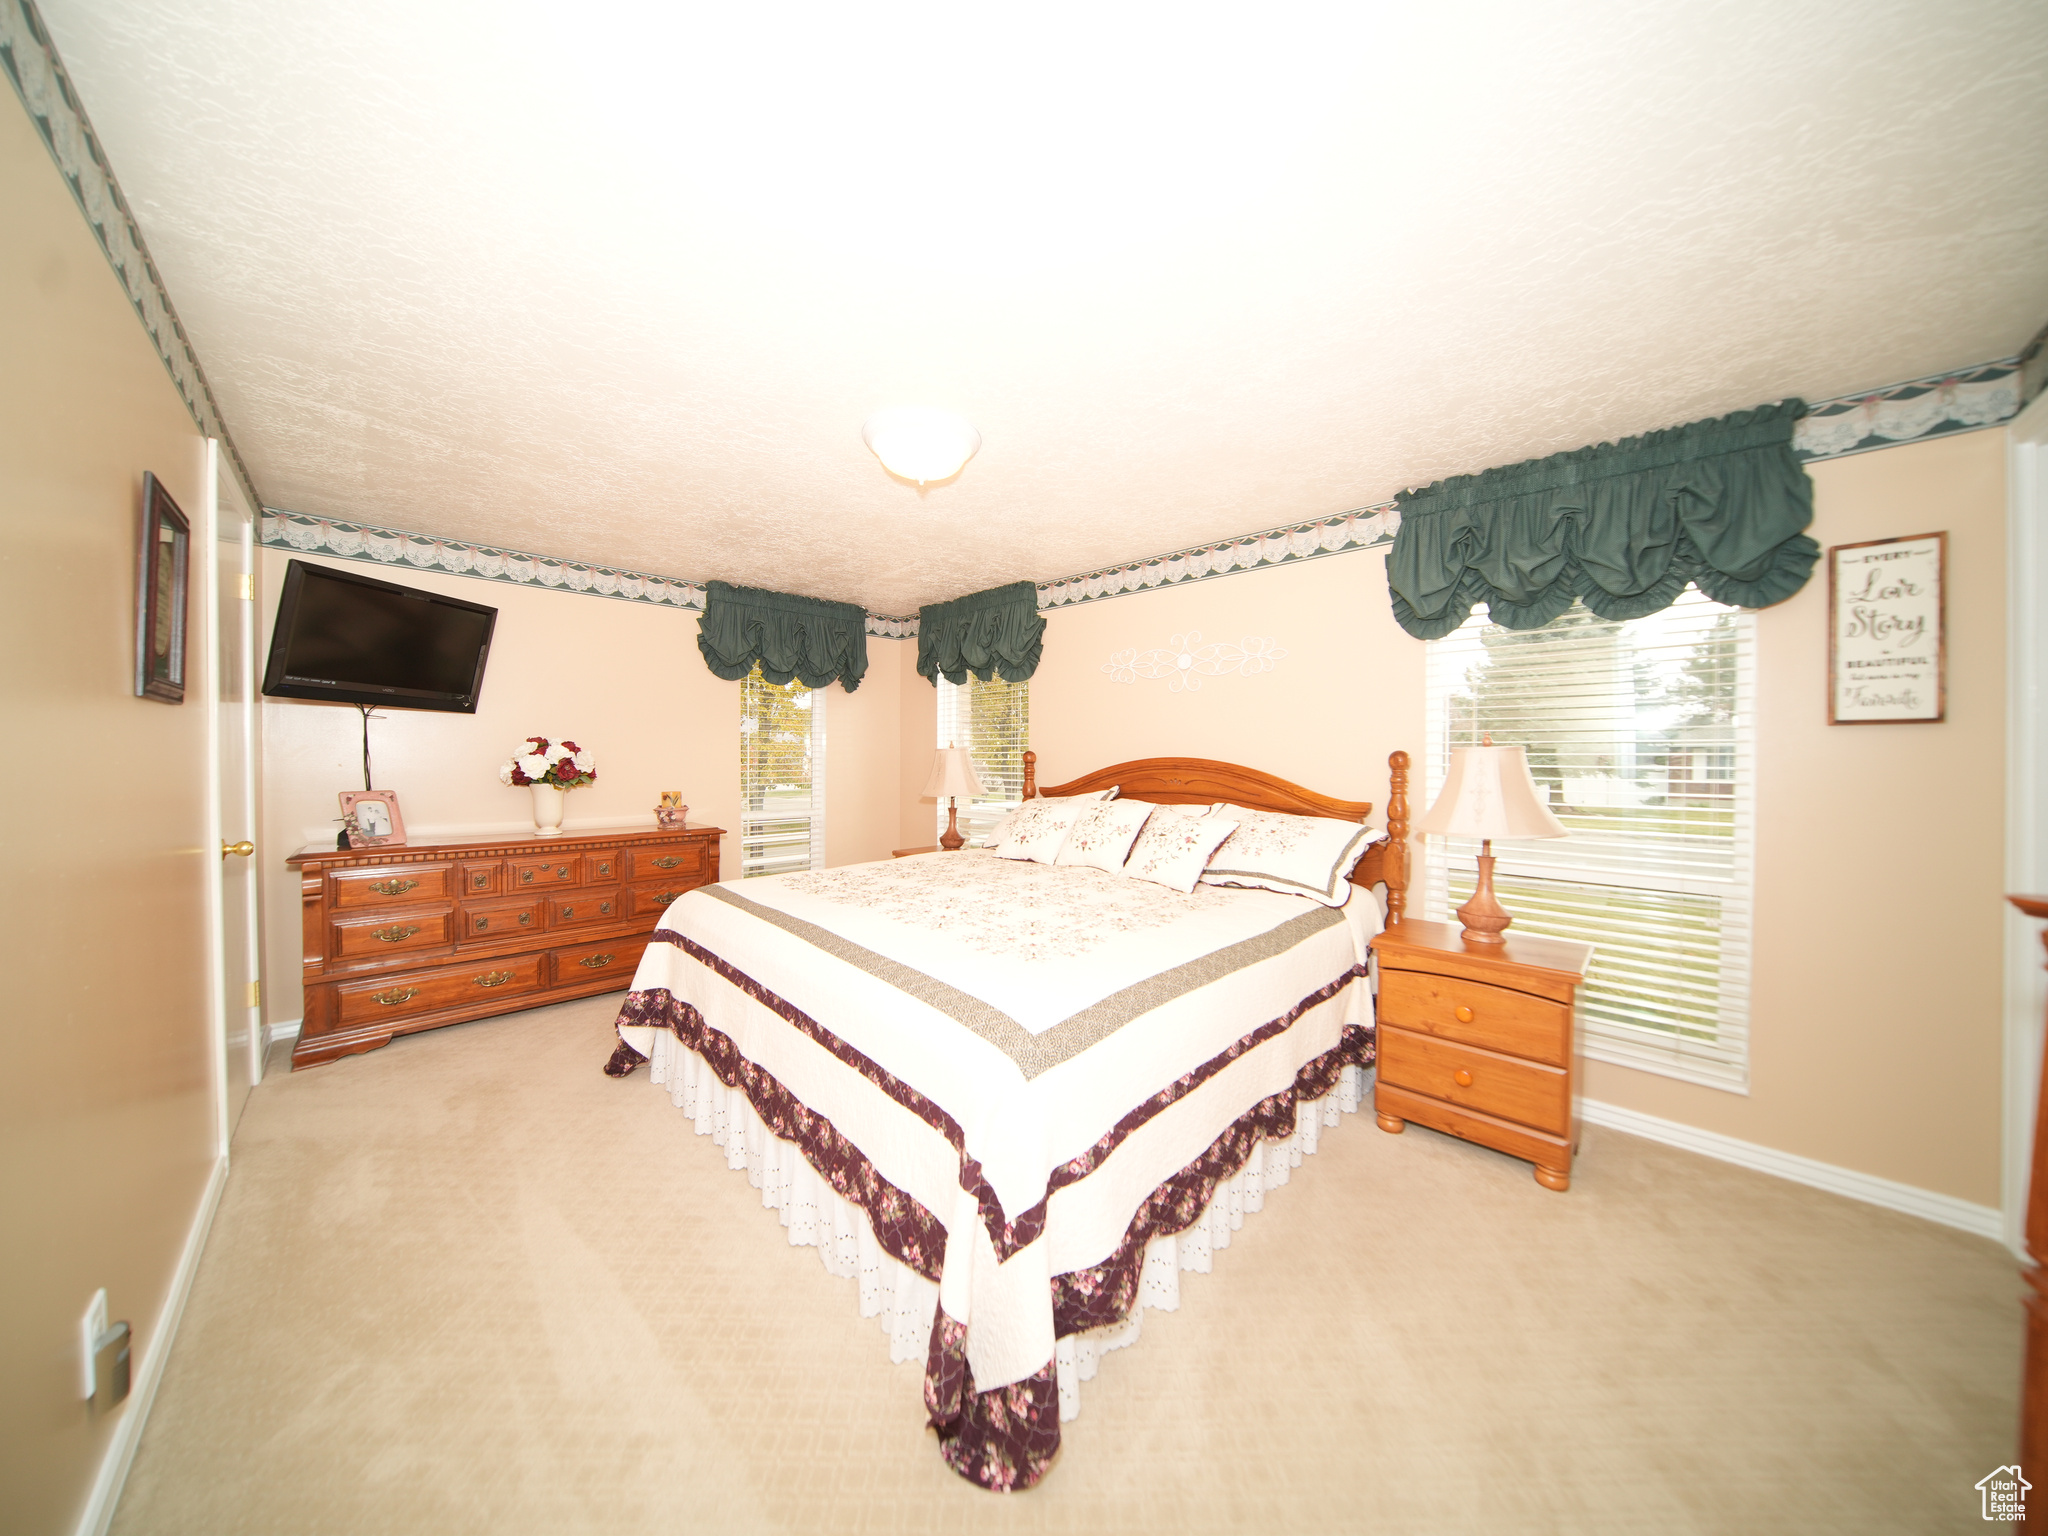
{"points": [[1982, 1220], [156, 1349], [283, 1029]]}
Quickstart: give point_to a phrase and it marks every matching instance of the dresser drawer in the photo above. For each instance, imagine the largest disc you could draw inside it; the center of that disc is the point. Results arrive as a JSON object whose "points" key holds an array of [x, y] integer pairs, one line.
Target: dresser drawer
{"points": [[1496, 1018], [617, 958], [535, 874], [603, 868], [395, 885], [650, 901], [581, 910], [378, 936], [673, 861], [482, 879], [368, 1002], [500, 918], [1523, 1091]]}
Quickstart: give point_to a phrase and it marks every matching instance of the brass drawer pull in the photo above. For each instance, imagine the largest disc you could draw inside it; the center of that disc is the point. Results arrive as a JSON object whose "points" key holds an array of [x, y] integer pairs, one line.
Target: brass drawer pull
{"points": [[397, 933], [604, 908], [495, 978], [596, 962], [526, 877], [604, 868], [478, 882], [392, 887], [562, 873], [1462, 1078], [525, 918], [668, 861], [568, 911], [395, 996], [1464, 1015], [483, 925], [665, 897]]}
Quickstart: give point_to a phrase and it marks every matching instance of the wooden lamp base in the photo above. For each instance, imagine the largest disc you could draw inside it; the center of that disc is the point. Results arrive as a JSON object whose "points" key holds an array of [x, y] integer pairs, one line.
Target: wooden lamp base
{"points": [[1486, 920], [952, 841]]}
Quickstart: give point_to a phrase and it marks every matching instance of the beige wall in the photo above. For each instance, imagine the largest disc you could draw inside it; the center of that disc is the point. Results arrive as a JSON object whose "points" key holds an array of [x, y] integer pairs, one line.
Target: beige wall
{"points": [[624, 680], [106, 1101], [1876, 1002], [1348, 691], [917, 819], [1875, 1010]]}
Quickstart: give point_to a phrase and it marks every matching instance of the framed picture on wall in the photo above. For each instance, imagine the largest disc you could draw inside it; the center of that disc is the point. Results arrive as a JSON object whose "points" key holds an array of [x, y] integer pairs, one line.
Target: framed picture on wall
{"points": [[371, 817], [163, 574], [1887, 640]]}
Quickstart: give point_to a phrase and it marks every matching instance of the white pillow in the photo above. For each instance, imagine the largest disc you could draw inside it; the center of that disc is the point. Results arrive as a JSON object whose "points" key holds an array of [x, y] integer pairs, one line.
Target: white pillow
{"points": [[1104, 834], [1173, 850], [1296, 855], [1038, 827]]}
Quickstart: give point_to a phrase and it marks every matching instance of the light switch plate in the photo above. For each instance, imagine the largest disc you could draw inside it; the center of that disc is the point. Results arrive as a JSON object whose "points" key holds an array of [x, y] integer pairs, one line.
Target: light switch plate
{"points": [[90, 1327]]}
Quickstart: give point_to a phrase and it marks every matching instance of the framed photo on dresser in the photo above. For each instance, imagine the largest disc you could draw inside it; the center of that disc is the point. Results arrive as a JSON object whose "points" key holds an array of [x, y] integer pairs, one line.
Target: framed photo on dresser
{"points": [[372, 818], [1887, 641]]}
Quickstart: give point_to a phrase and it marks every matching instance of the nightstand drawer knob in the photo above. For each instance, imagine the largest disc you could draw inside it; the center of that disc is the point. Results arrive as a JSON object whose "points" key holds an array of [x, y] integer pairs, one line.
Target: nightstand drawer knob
{"points": [[1464, 1015], [1462, 1078]]}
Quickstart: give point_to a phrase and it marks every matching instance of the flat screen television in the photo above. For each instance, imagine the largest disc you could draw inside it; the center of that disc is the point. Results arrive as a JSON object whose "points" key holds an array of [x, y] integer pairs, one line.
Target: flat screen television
{"points": [[352, 639]]}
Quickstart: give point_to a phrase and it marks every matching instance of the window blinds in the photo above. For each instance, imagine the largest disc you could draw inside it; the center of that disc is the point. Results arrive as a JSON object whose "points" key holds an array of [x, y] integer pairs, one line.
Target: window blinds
{"points": [[1641, 733], [992, 721], [782, 776]]}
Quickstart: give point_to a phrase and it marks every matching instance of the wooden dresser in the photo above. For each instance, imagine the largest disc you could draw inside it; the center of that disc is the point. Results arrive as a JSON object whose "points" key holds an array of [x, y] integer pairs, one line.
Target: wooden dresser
{"points": [[1479, 1040], [403, 939]]}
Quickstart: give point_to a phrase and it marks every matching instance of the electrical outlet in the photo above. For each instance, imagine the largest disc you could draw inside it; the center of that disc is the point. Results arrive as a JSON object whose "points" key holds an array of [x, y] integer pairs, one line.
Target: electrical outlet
{"points": [[105, 1351], [90, 1327]]}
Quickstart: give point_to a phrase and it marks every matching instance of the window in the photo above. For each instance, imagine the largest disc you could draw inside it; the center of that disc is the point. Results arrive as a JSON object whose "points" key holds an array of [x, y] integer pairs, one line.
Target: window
{"points": [[993, 722], [782, 776], [1642, 735]]}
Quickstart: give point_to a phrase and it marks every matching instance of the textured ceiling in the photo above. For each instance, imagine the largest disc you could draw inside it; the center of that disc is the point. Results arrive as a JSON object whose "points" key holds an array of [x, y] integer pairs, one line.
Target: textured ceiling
{"points": [[620, 283]]}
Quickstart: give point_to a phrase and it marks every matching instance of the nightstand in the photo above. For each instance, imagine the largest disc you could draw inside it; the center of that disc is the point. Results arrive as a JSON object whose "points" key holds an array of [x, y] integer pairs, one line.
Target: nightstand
{"points": [[1478, 1040], [904, 853]]}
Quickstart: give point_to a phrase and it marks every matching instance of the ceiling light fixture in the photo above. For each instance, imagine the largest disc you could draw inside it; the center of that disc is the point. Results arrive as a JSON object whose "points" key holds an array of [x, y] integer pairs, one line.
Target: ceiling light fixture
{"points": [[919, 442]]}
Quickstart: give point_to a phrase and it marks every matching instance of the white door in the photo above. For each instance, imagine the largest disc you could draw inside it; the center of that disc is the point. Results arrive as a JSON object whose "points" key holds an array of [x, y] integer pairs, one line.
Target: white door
{"points": [[232, 622]]}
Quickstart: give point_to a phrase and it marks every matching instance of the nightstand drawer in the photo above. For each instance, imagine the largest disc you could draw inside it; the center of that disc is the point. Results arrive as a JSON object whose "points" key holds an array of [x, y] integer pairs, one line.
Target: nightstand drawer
{"points": [[1476, 1079], [1471, 1012]]}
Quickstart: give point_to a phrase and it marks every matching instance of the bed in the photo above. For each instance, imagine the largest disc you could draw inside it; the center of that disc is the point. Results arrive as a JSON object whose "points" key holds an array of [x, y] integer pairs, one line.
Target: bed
{"points": [[1015, 1100]]}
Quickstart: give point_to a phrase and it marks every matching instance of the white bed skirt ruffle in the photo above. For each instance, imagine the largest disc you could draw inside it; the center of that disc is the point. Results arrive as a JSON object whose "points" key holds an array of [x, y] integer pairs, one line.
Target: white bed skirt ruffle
{"points": [[902, 1300]]}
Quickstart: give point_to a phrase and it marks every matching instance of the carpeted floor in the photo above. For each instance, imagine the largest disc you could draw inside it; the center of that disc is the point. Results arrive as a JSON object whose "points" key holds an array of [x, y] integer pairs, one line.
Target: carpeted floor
{"points": [[469, 1284]]}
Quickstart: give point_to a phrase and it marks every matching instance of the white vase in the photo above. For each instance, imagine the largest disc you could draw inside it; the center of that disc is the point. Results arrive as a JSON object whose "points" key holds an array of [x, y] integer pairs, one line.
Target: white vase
{"points": [[548, 804]]}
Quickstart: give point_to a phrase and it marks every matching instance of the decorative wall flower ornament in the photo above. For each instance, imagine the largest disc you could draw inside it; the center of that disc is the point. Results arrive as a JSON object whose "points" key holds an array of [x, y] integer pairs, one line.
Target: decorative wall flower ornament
{"points": [[1185, 660]]}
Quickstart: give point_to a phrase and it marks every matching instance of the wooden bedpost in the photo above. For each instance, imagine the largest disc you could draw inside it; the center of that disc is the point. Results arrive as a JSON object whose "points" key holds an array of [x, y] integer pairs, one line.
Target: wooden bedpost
{"points": [[1030, 774], [1397, 837]]}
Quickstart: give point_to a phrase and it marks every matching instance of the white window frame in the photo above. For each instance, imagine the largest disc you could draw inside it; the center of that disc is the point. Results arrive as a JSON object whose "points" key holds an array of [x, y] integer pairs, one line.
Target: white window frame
{"points": [[1606, 1034], [1003, 783], [792, 835]]}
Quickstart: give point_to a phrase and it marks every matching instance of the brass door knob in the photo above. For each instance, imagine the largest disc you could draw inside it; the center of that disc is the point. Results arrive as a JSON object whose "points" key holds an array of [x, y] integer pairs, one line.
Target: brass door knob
{"points": [[1462, 1078], [240, 850], [1464, 1015]]}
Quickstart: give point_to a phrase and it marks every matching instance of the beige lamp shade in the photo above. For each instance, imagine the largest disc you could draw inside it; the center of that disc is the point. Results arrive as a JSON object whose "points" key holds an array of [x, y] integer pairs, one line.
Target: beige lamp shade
{"points": [[1489, 793], [952, 776]]}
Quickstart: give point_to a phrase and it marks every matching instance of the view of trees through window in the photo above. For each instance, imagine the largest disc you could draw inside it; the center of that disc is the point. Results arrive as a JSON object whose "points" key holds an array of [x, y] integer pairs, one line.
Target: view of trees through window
{"points": [[993, 721], [1637, 732], [782, 776]]}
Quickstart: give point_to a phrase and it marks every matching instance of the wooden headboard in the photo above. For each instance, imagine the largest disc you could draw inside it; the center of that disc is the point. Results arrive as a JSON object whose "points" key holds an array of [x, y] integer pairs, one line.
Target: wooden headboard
{"points": [[1201, 781]]}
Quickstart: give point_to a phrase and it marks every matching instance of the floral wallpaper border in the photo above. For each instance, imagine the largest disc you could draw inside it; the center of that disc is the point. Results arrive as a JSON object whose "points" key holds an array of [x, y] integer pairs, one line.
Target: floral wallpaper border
{"points": [[29, 58], [1987, 395]]}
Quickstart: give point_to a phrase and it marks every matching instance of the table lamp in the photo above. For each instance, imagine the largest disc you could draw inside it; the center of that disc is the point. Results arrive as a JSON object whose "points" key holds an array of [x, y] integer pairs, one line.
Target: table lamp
{"points": [[1489, 794], [952, 776]]}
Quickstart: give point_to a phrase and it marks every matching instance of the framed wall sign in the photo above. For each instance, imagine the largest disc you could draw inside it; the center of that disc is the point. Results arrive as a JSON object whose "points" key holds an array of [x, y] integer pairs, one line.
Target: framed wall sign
{"points": [[1887, 649], [163, 572]]}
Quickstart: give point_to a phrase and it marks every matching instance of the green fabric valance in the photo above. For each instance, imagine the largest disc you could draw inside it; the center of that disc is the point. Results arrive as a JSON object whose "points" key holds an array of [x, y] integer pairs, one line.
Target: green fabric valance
{"points": [[1623, 526], [805, 638], [984, 633]]}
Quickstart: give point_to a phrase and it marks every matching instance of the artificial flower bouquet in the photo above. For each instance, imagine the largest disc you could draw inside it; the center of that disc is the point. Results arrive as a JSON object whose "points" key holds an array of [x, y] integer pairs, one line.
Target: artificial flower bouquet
{"points": [[562, 764]]}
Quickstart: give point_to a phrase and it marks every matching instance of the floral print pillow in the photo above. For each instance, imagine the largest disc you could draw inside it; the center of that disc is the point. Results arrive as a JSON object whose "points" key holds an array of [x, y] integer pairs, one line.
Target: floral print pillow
{"points": [[1174, 850], [1102, 836], [1037, 828], [1296, 855]]}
